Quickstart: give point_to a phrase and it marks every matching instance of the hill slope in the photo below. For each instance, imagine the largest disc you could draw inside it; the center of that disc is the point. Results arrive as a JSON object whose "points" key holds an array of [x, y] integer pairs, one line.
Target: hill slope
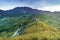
{"points": [[39, 31], [39, 26]]}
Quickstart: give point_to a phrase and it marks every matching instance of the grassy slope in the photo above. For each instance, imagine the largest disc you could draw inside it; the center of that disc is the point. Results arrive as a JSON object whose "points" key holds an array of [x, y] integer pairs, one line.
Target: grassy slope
{"points": [[44, 28], [39, 31]]}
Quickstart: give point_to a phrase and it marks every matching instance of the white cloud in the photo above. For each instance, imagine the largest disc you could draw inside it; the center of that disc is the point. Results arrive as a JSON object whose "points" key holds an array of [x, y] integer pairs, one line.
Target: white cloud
{"points": [[50, 8]]}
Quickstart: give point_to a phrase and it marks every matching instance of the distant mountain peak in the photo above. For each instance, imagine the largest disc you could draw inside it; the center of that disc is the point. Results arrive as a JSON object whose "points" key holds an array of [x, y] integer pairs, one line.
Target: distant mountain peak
{"points": [[22, 7], [19, 11]]}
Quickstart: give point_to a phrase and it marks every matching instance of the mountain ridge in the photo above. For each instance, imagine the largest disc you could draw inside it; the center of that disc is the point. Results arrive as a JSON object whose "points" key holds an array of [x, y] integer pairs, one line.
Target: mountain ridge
{"points": [[20, 11]]}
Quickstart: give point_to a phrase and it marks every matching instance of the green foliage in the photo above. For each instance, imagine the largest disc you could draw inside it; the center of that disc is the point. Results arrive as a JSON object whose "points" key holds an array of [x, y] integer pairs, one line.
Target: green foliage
{"points": [[39, 26]]}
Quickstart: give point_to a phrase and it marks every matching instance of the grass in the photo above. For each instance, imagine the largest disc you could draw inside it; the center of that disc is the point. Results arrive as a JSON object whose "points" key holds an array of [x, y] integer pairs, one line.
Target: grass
{"points": [[45, 28]]}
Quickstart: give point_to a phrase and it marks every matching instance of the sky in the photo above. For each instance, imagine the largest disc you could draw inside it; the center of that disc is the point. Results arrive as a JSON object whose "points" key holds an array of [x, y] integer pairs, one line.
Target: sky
{"points": [[47, 5]]}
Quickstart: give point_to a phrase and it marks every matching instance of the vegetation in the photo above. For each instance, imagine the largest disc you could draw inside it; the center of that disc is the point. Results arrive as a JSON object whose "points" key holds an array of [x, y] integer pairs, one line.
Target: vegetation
{"points": [[35, 27]]}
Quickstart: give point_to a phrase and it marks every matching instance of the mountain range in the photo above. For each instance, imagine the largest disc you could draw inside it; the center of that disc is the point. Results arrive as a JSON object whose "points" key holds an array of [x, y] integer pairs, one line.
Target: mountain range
{"points": [[19, 11]]}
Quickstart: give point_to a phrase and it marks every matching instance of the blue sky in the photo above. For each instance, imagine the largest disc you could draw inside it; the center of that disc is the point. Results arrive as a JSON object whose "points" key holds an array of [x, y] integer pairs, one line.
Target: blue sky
{"points": [[50, 5]]}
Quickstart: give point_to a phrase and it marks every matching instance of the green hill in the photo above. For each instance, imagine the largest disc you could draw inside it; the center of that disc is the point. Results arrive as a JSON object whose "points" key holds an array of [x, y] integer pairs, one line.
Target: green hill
{"points": [[39, 26]]}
